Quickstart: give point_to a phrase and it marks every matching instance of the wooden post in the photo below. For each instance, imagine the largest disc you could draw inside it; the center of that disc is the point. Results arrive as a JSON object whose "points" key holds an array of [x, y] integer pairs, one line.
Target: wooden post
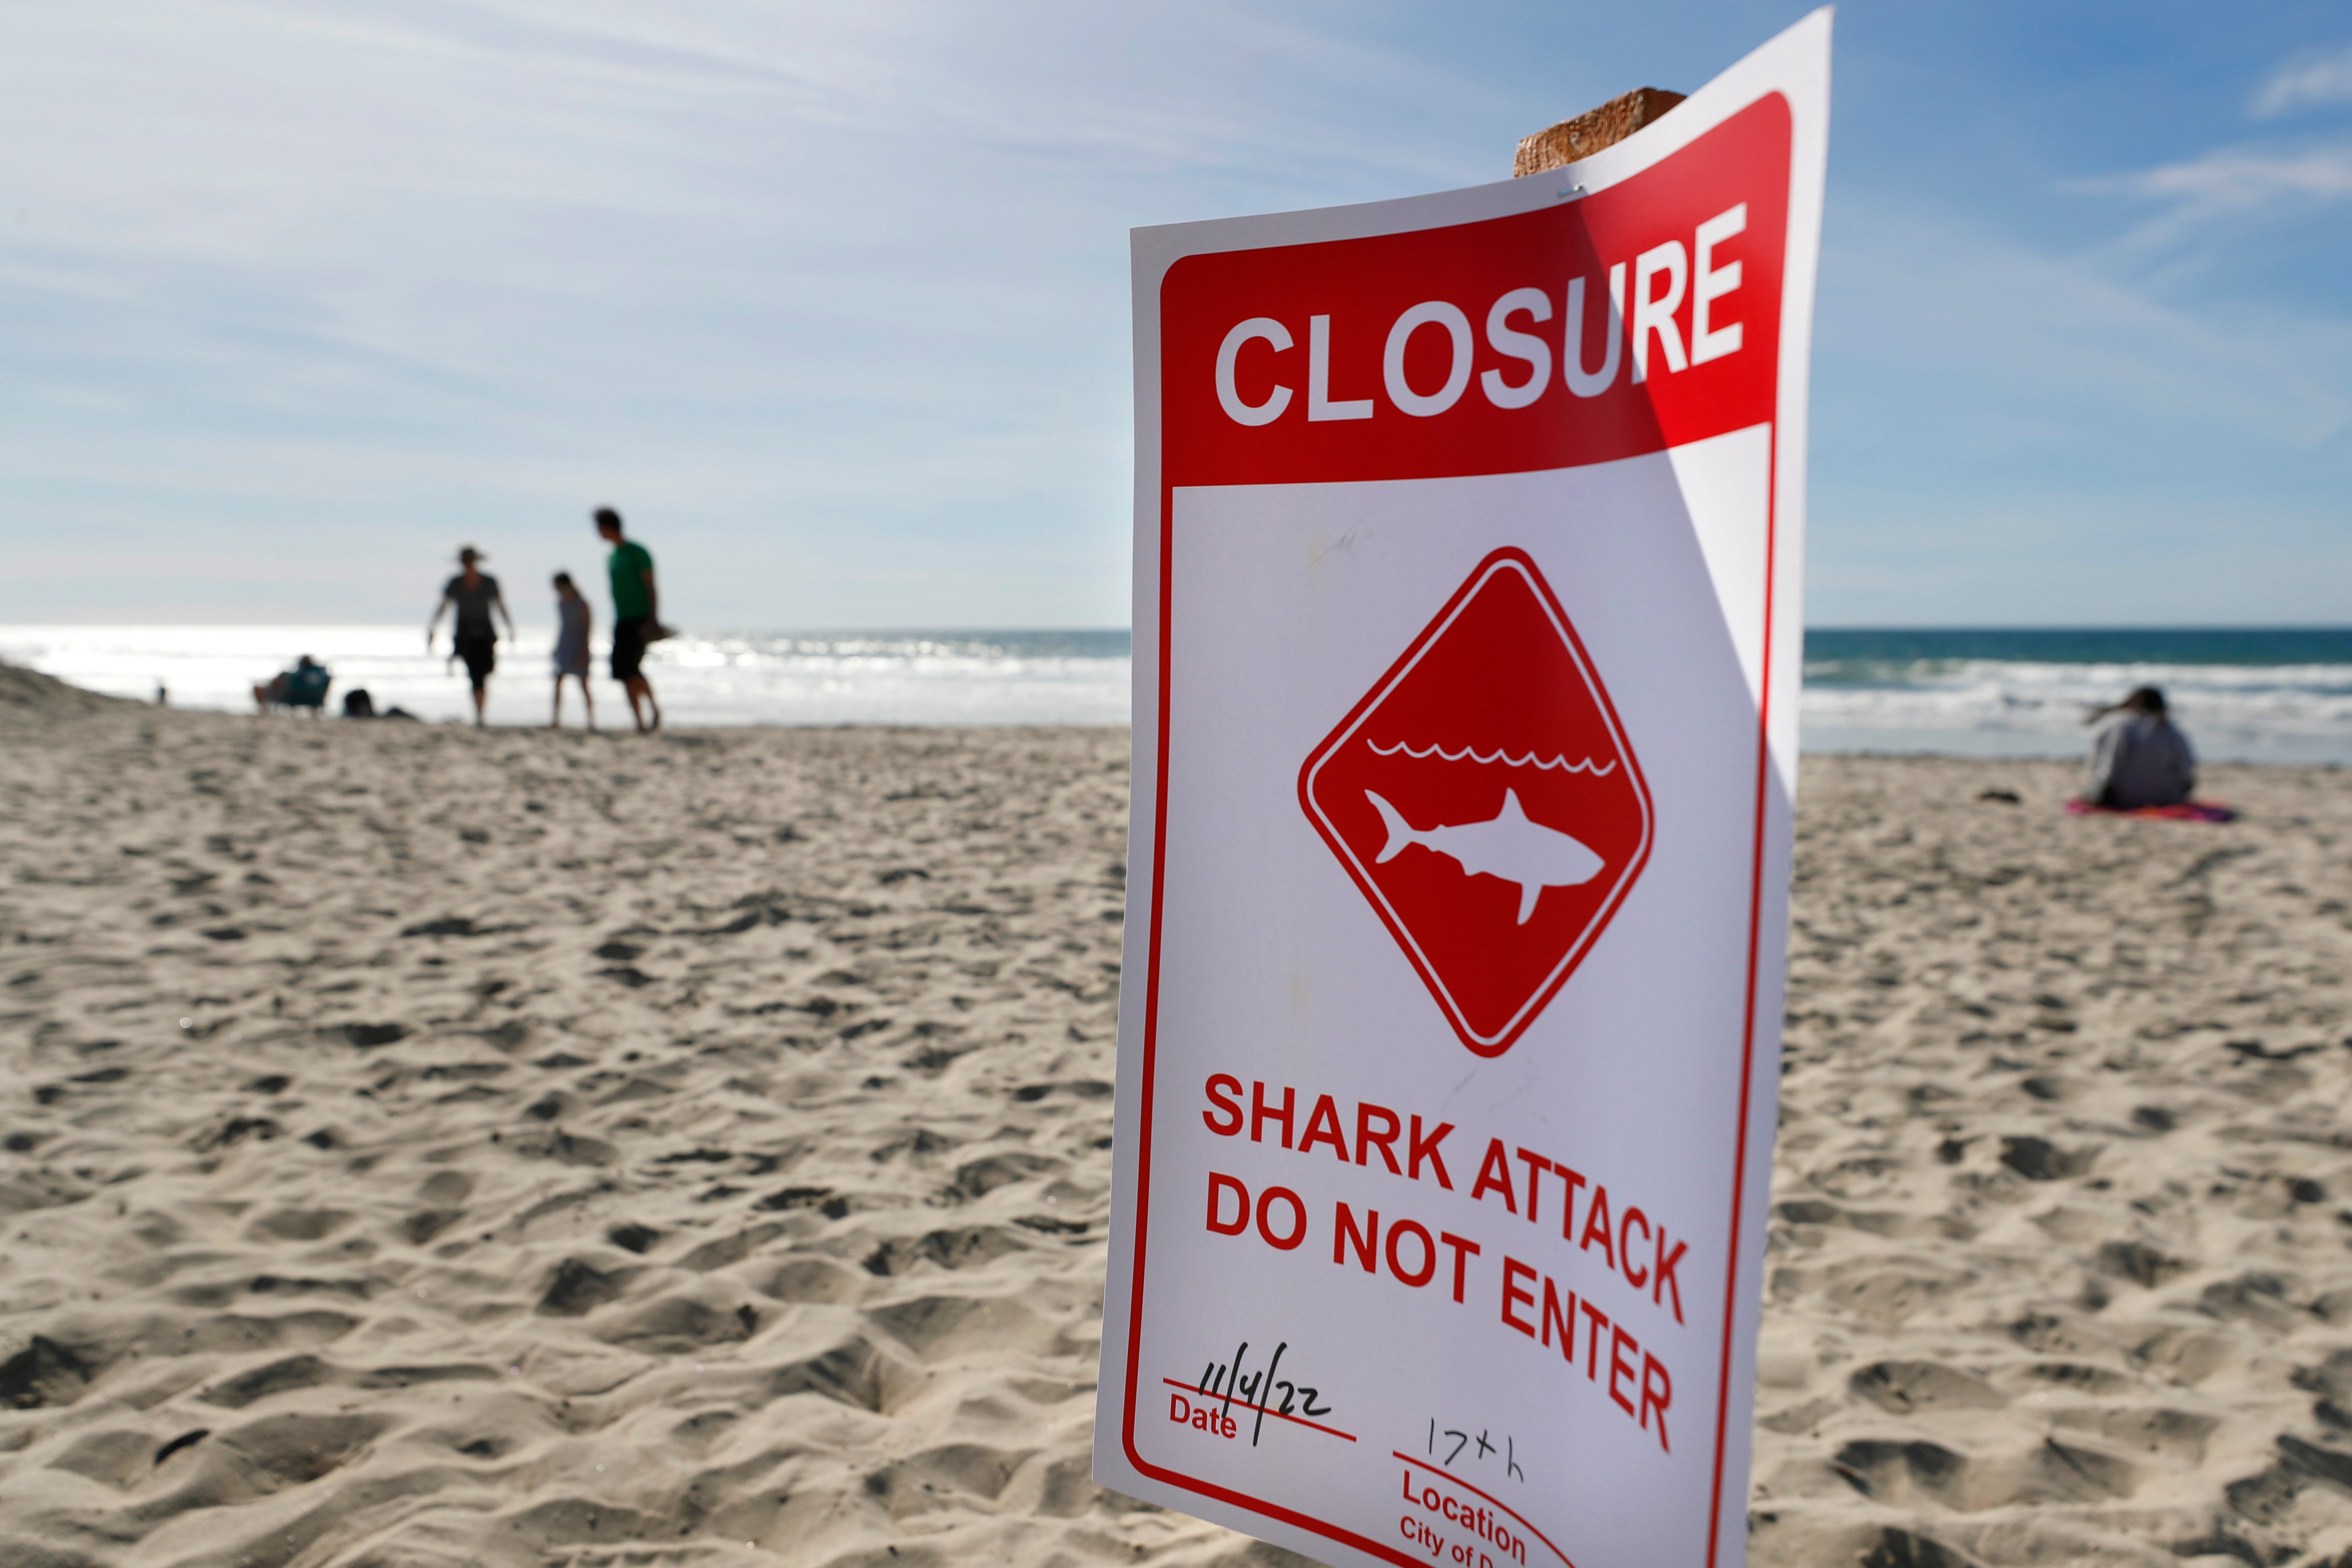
{"points": [[1591, 130]]}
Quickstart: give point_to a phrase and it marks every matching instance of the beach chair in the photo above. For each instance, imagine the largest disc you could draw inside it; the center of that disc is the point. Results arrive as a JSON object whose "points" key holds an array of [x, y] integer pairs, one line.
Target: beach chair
{"points": [[306, 687]]}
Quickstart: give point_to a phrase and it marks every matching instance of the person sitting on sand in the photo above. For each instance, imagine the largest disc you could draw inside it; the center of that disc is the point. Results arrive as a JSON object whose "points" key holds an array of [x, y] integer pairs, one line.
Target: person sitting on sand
{"points": [[571, 648], [473, 637], [2138, 758]]}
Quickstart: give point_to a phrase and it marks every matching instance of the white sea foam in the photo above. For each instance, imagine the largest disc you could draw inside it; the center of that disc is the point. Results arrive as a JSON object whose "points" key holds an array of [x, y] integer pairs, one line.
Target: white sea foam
{"points": [[2253, 712], [956, 677], [2280, 711]]}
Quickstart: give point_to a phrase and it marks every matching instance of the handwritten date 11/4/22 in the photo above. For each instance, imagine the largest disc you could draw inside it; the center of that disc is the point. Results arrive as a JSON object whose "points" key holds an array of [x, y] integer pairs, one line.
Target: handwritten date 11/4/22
{"points": [[1258, 1391], [1452, 1441]]}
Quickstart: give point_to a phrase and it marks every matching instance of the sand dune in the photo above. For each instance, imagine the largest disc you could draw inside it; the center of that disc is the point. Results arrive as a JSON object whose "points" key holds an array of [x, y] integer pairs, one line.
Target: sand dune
{"points": [[421, 1148]]}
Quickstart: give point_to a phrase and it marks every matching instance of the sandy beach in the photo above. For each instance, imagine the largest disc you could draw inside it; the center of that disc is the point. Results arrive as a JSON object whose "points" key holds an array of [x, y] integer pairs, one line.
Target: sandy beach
{"points": [[2061, 1271], [422, 1148]]}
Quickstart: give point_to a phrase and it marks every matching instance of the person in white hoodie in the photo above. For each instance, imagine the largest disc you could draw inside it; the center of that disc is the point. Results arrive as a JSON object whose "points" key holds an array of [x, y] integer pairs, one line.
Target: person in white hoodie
{"points": [[2137, 757]]}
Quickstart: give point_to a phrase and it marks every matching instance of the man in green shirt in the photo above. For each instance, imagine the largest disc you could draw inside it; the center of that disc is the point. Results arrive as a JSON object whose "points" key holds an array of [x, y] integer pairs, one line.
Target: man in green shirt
{"points": [[635, 620]]}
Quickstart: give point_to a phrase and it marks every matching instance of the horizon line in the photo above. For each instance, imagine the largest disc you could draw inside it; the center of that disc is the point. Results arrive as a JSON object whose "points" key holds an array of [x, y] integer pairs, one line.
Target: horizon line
{"points": [[1001, 630]]}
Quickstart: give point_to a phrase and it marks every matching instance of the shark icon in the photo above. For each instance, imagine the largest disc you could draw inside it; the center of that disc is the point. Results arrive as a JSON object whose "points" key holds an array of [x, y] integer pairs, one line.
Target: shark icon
{"points": [[1508, 846]]}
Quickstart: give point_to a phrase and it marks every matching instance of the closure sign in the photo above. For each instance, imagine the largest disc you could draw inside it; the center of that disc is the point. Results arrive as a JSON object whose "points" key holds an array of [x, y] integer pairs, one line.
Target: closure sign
{"points": [[1468, 543]]}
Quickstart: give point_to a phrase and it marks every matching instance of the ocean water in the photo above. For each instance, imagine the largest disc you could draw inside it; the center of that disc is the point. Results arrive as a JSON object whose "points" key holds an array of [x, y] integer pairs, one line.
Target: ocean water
{"points": [[2275, 695], [2242, 694], [882, 678]]}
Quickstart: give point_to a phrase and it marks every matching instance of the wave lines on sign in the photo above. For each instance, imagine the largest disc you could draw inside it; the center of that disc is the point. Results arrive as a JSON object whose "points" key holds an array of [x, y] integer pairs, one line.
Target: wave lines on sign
{"points": [[1598, 770]]}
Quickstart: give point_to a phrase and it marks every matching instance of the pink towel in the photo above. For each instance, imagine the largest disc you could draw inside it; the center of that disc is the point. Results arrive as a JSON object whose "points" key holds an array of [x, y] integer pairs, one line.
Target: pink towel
{"points": [[2189, 811]]}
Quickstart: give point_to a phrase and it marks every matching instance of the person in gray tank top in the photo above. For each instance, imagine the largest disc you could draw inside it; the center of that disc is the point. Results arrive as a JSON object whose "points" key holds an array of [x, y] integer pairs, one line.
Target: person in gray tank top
{"points": [[474, 594]]}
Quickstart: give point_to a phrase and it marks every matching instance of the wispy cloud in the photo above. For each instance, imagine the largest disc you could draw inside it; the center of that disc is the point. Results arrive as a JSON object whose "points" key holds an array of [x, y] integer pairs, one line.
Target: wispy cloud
{"points": [[806, 279], [833, 299], [2121, 374], [2007, 432], [2241, 177], [2252, 176], [2212, 201], [2324, 78]]}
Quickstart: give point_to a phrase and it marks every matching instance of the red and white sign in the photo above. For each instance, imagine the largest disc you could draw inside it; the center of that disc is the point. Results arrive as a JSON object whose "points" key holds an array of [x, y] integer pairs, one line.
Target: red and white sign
{"points": [[1467, 584], [1497, 913]]}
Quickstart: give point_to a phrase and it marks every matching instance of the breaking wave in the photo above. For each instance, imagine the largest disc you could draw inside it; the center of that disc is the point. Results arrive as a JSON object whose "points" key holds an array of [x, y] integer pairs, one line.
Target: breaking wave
{"points": [[704, 677], [2276, 694]]}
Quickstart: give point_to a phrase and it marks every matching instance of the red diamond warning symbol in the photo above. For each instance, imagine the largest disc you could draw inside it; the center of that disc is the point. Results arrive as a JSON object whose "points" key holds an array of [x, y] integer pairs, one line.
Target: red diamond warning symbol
{"points": [[1484, 798]]}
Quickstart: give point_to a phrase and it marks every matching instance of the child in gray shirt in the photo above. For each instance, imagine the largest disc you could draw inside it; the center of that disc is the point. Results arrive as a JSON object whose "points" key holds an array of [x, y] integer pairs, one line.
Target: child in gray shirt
{"points": [[571, 648]]}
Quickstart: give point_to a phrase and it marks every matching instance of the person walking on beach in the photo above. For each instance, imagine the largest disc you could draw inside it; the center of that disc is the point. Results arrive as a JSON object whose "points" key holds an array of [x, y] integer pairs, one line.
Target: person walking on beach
{"points": [[2138, 758], [571, 648], [473, 637], [635, 617]]}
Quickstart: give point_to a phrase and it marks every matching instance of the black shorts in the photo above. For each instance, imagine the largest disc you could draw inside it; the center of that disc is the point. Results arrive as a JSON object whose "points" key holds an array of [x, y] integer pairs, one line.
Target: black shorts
{"points": [[629, 646], [481, 655]]}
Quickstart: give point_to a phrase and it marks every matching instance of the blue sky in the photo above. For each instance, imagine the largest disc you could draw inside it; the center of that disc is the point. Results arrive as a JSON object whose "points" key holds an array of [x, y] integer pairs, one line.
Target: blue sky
{"points": [[833, 300]]}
